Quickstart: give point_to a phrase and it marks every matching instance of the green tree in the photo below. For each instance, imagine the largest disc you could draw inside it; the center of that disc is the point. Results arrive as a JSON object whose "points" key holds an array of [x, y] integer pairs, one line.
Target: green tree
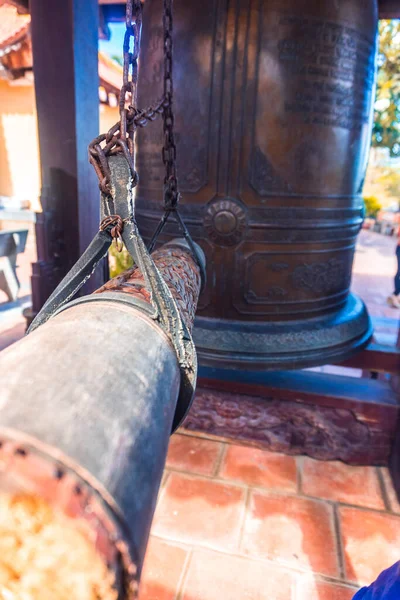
{"points": [[390, 180], [386, 131], [372, 206], [118, 59]]}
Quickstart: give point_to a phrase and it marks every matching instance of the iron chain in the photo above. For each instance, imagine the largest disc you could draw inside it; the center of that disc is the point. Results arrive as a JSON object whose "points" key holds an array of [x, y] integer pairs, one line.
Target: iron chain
{"points": [[171, 187], [171, 191], [120, 138], [133, 32]]}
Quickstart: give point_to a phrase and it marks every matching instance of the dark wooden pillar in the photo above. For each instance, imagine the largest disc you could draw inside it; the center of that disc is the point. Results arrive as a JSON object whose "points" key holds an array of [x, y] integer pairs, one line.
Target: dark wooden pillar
{"points": [[389, 9], [395, 456], [65, 57]]}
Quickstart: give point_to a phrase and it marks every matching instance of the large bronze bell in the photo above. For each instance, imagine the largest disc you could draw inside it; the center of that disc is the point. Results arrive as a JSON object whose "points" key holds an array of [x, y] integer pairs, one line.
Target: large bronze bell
{"points": [[273, 102]]}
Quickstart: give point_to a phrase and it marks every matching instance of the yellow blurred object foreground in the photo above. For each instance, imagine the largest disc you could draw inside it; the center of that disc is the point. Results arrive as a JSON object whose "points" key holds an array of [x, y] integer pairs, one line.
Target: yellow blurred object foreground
{"points": [[44, 555]]}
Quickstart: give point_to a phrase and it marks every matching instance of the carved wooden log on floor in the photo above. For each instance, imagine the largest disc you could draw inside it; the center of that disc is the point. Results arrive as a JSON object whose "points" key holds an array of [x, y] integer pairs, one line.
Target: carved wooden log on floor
{"points": [[353, 434]]}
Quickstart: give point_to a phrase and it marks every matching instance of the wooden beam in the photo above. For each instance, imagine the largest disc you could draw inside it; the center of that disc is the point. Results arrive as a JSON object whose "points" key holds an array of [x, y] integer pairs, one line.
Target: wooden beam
{"points": [[311, 387], [65, 55], [389, 9], [394, 463], [376, 358], [113, 13]]}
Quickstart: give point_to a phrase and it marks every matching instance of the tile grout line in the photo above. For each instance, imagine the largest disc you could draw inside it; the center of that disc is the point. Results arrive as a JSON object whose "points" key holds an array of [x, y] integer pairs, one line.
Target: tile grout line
{"points": [[318, 576], [205, 436], [299, 464], [245, 513], [220, 459], [339, 542], [184, 575], [162, 489], [383, 489], [243, 485], [377, 511], [284, 492], [164, 479], [244, 443], [299, 478]]}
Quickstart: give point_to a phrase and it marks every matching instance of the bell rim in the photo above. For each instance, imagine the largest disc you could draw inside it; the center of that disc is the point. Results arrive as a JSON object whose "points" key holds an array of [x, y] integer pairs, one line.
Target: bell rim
{"points": [[274, 346]]}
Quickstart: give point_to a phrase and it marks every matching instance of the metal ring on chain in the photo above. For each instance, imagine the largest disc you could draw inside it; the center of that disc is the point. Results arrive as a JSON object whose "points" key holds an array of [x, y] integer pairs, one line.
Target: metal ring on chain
{"points": [[98, 153], [115, 225]]}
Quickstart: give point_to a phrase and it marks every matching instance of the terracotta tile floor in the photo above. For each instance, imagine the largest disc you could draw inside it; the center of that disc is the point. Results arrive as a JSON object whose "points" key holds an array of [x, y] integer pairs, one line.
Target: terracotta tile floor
{"points": [[238, 523]]}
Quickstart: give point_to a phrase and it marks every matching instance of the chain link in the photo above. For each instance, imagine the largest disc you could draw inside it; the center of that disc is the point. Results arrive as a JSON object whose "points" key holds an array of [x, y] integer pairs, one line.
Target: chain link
{"points": [[120, 138], [171, 190], [133, 33], [172, 194]]}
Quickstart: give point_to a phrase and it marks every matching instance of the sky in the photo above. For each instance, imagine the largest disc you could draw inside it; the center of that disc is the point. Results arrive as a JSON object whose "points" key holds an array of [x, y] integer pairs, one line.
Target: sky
{"points": [[114, 46]]}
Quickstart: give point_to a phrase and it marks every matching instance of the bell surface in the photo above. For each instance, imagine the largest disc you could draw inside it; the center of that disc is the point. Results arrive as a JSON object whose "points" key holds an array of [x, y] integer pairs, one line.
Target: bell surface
{"points": [[273, 113]]}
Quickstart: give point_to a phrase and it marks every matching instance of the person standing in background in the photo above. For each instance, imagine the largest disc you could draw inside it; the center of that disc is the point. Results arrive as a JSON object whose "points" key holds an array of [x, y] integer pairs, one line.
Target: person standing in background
{"points": [[394, 299]]}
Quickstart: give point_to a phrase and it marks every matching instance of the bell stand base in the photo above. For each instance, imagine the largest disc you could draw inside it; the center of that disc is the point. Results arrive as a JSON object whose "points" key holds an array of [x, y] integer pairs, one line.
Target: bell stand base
{"points": [[274, 346]]}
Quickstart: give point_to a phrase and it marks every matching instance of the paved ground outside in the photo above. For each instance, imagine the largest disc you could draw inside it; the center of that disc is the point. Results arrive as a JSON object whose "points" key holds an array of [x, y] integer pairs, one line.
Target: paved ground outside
{"points": [[234, 522], [12, 322], [374, 268]]}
